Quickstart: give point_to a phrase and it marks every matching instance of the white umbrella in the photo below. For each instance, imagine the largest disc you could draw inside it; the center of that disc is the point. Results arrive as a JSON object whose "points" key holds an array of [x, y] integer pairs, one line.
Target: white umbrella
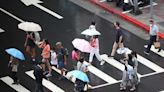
{"points": [[30, 27], [91, 31]]}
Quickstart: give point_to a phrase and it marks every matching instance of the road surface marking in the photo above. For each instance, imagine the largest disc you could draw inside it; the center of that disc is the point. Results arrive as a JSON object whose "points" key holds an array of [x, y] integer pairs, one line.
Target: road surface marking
{"points": [[1, 30], [9, 81], [11, 15], [36, 4], [46, 83]]}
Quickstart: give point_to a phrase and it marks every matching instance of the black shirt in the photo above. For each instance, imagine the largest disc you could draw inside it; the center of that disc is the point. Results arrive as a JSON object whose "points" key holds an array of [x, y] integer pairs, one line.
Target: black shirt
{"points": [[118, 35]]}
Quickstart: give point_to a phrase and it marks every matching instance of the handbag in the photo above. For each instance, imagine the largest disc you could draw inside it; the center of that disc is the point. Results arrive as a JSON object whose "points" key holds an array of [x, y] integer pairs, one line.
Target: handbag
{"points": [[157, 45]]}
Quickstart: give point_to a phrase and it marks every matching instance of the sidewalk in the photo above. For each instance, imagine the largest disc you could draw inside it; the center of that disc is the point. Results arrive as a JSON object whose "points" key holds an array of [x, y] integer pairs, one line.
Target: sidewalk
{"points": [[142, 20]]}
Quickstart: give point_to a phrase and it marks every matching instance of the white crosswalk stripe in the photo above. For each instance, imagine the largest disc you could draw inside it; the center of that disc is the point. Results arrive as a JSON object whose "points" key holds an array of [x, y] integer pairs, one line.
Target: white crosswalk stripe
{"points": [[47, 83], [161, 53], [1, 30], [9, 81], [149, 64]]}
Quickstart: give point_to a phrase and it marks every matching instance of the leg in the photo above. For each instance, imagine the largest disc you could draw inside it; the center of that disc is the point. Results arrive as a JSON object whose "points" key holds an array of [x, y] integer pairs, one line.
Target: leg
{"points": [[28, 50], [115, 46], [91, 56], [98, 55], [151, 41], [33, 53]]}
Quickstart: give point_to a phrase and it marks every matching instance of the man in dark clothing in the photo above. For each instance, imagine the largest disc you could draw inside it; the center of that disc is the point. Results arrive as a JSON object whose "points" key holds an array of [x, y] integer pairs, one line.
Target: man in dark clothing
{"points": [[38, 73], [119, 39]]}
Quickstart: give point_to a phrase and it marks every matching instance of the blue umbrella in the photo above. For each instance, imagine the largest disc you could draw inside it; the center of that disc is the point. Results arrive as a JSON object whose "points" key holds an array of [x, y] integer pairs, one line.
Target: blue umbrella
{"points": [[15, 53], [79, 75]]}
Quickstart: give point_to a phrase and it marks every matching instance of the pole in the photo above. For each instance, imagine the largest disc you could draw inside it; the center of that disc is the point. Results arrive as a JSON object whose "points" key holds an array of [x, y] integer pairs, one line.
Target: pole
{"points": [[151, 9], [136, 9]]}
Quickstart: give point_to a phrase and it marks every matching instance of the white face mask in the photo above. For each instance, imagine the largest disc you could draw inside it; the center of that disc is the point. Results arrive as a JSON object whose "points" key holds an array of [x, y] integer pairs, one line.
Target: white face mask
{"points": [[151, 25]]}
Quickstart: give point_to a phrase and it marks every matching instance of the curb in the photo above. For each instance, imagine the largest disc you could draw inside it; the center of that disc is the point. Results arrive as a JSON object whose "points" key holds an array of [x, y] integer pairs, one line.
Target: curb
{"points": [[124, 16]]}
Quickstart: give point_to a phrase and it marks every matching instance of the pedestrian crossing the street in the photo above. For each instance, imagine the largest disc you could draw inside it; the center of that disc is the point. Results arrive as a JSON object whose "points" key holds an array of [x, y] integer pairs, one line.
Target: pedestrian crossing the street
{"points": [[92, 69]]}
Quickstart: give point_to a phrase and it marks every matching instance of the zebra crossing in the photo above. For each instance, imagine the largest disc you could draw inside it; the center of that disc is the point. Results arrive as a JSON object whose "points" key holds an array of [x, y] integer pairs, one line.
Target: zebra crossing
{"points": [[92, 69]]}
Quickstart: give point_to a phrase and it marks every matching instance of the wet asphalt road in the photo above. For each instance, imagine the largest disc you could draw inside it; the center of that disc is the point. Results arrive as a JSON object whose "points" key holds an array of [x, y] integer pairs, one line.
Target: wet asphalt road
{"points": [[76, 19]]}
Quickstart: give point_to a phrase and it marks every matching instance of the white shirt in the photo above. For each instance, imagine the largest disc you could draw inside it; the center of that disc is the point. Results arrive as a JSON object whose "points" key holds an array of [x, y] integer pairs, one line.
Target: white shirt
{"points": [[53, 58], [153, 30]]}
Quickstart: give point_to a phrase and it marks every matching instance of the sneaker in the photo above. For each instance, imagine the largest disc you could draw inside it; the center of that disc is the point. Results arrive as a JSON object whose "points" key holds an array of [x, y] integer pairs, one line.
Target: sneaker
{"points": [[132, 89], [33, 60], [147, 53], [122, 88], [102, 62], [49, 75]]}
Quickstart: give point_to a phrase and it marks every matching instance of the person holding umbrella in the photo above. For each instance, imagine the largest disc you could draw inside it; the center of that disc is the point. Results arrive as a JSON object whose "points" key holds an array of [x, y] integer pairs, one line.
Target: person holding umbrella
{"points": [[81, 80], [94, 42], [15, 56], [13, 64], [30, 45], [32, 37]]}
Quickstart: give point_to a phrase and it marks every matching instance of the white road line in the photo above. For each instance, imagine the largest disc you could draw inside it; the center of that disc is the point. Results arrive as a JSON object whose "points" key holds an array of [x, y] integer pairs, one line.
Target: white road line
{"points": [[161, 91], [1, 30], [115, 63], [150, 74], [140, 8], [9, 81], [103, 85], [11, 15], [161, 53], [47, 83], [36, 3], [149, 64]]}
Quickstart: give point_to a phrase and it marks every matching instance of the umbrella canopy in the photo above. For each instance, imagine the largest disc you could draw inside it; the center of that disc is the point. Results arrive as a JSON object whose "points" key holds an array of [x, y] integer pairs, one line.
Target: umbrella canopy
{"points": [[15, 53], [29, 27], [82, 45], [91, 32], [79, 75]]}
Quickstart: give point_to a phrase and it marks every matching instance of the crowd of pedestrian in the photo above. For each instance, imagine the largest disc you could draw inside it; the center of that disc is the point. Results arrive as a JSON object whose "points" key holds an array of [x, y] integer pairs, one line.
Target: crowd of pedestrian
{"points": [[58, 56]]}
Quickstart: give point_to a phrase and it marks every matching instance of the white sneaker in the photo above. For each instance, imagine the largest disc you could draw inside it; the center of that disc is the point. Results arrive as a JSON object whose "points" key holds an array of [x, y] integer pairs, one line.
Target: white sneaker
{"points": [[102, 62], [49, 75], [132, 89]]}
